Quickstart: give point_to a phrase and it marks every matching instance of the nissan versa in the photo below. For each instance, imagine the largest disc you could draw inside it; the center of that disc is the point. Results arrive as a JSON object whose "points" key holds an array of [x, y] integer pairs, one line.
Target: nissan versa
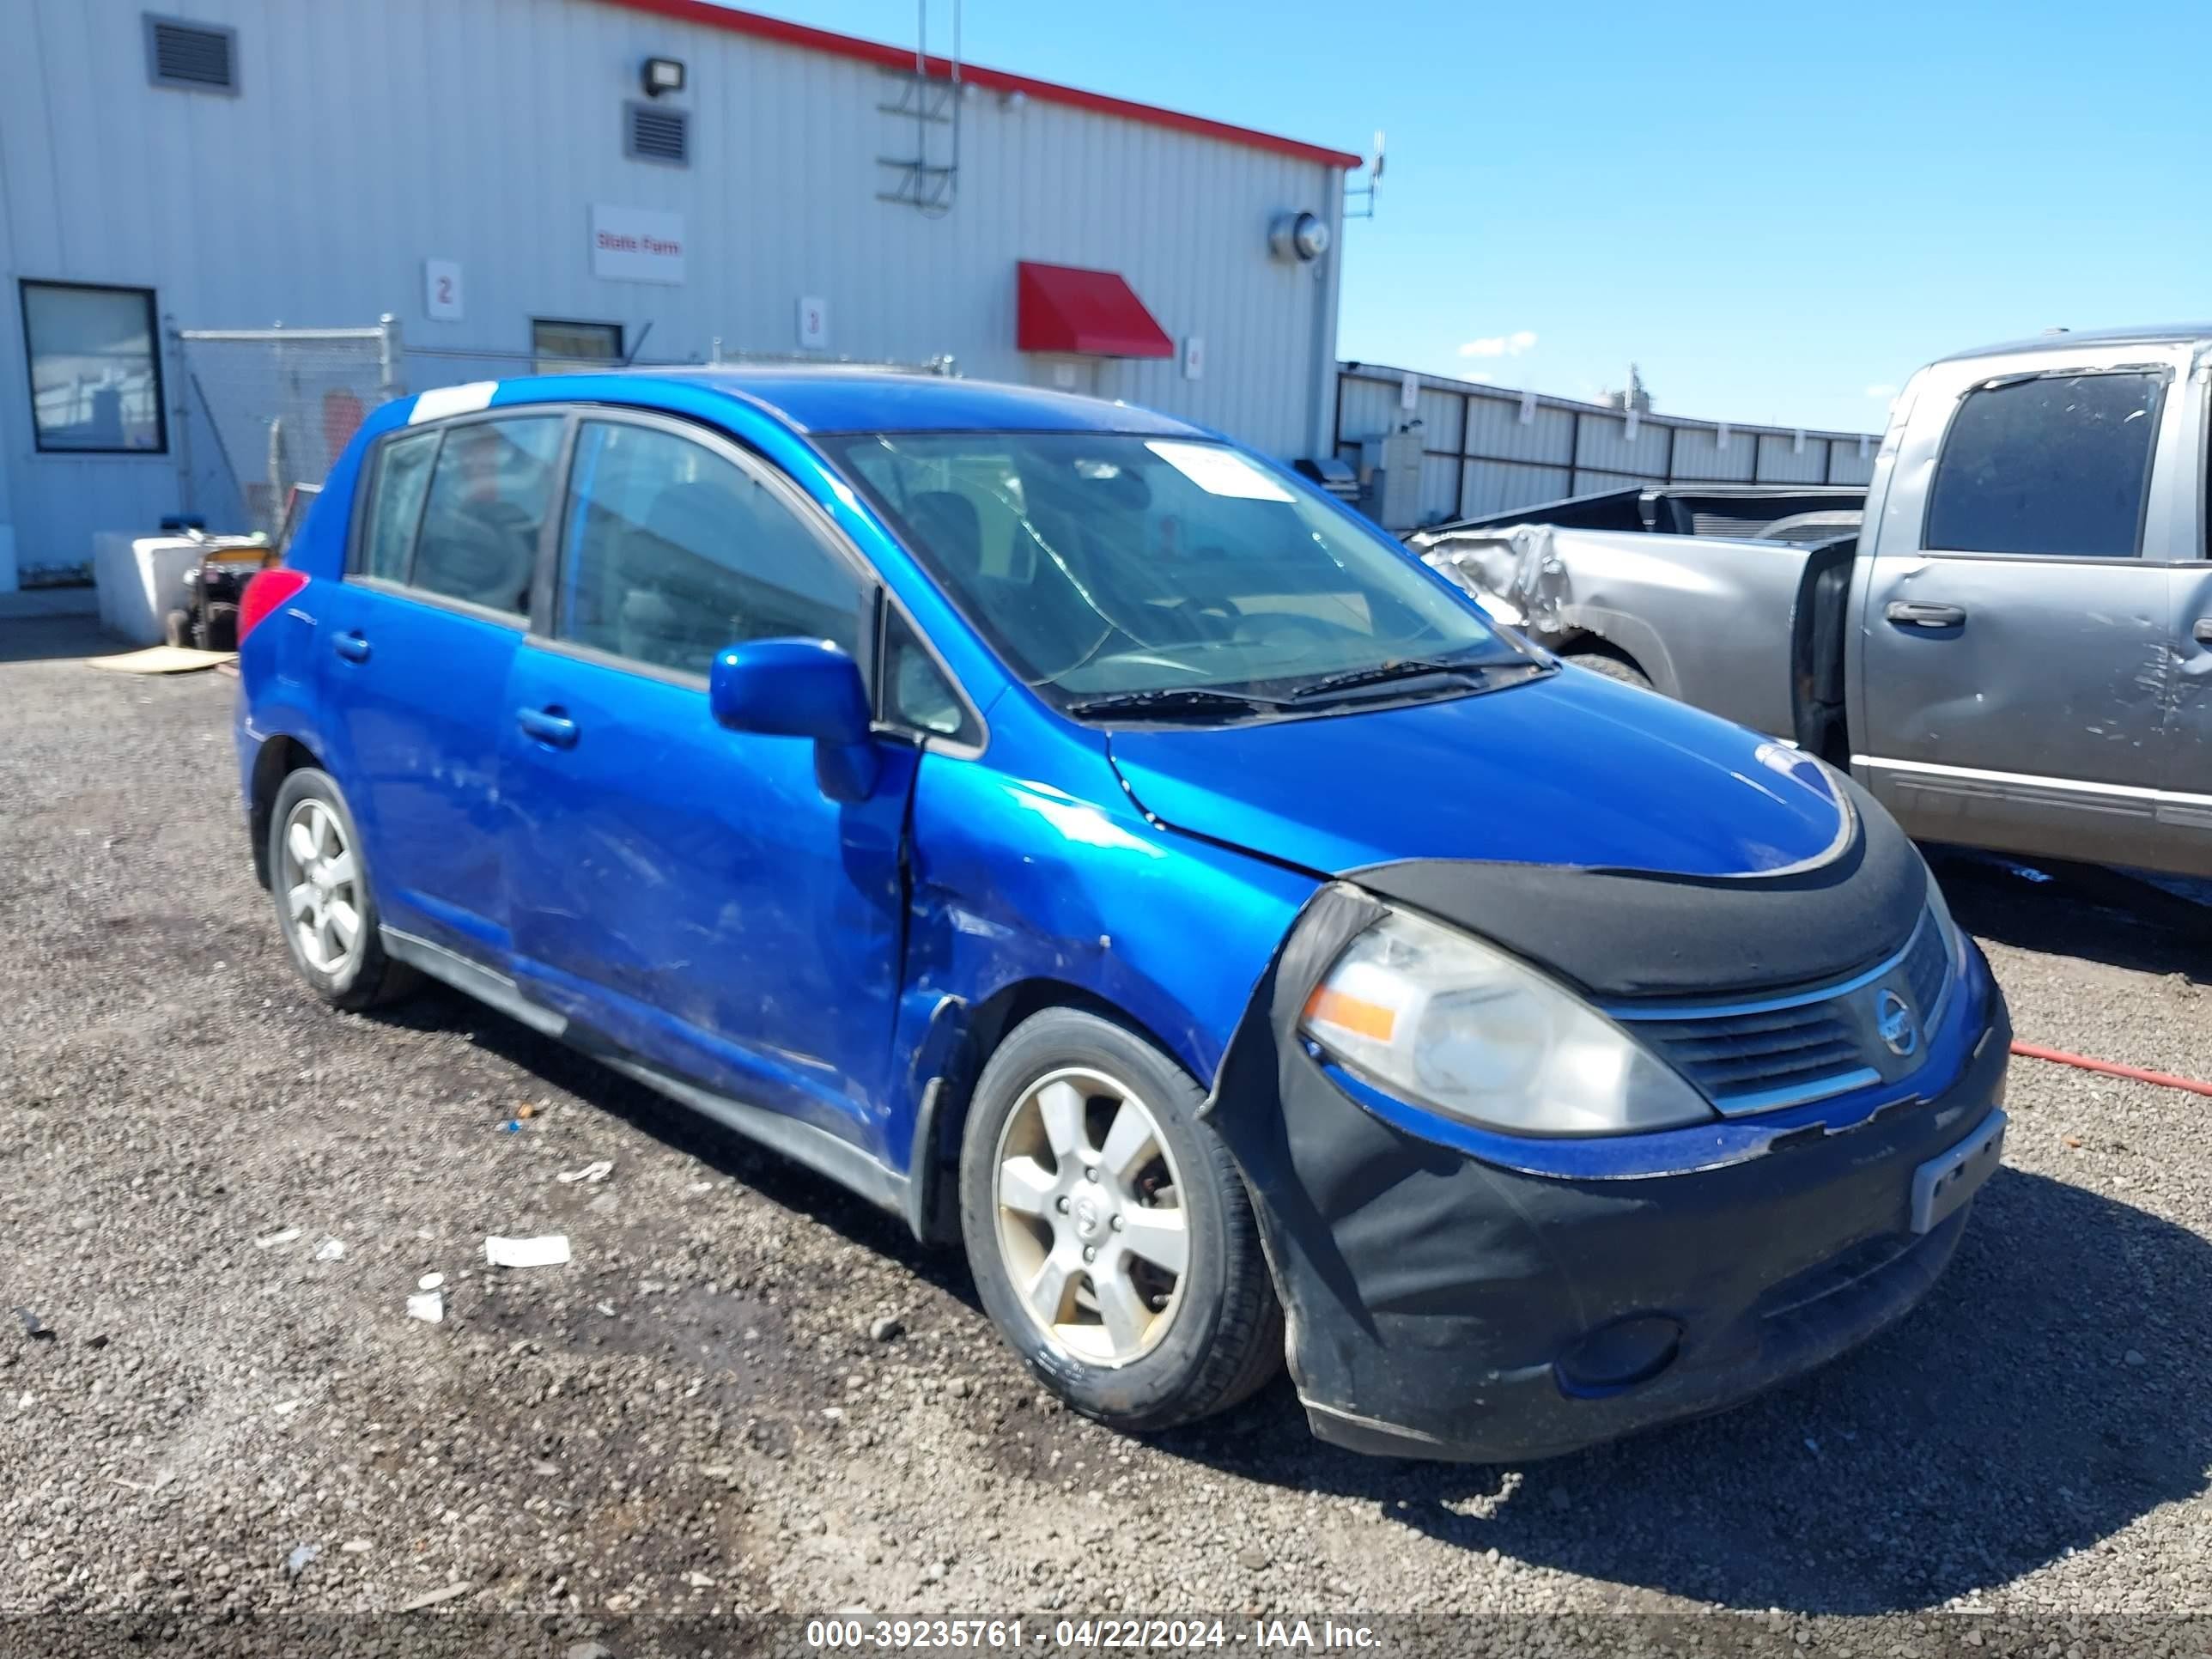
{"points": [[1086, 839]]}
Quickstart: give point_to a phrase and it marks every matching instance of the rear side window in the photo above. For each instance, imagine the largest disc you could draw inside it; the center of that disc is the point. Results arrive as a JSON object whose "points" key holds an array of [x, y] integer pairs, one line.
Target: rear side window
{"points": [[490, 493], [672, 552], [2057, 465], [403, 474]]}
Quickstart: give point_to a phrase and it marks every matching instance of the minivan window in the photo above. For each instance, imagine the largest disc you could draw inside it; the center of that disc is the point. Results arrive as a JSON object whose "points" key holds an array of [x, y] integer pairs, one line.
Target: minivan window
{"points": [[2056, 464], [403, 475], [671, 552], [1105, 564], [490, 493]]}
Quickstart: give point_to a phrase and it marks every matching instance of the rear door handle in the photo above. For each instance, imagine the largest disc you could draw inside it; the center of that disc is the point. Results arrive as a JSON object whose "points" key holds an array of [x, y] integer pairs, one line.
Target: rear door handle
{"points": [[1925, 613], [548, 725], [351, 646], [2201, 630]]}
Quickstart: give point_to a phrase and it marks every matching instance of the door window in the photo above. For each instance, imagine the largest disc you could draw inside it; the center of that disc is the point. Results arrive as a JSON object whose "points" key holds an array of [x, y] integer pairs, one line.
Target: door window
{"points": [[490, 493], [2059, 464], [403, 476], [671, 552], [562, 348]]}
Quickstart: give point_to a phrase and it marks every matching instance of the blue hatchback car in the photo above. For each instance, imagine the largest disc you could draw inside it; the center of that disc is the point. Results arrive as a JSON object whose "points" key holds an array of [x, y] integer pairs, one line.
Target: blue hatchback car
{"points": [[1086, 839]]}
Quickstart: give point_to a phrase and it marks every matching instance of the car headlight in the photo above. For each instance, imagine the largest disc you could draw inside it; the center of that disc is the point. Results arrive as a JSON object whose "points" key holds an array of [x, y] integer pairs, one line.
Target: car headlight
{"points": [[1954, 943], [1437, 1017]]}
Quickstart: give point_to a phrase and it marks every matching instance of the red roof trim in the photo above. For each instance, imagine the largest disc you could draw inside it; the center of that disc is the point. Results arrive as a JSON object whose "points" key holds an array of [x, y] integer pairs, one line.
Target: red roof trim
{"points": [[1092, 313], [889, 57]]}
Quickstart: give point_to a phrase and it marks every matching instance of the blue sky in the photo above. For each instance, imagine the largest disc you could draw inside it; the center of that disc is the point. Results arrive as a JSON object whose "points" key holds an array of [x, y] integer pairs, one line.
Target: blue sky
{"points": [[1778, 210]]}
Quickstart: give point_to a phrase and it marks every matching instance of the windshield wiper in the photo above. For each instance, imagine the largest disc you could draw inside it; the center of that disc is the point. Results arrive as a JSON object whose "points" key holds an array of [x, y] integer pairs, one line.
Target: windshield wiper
{"points": [[1171, 700], [1398, 668]]}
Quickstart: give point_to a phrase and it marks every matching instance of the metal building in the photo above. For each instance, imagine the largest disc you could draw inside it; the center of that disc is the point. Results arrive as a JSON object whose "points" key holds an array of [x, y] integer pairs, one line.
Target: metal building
{"points": [[1480, 448], [524, 181]]}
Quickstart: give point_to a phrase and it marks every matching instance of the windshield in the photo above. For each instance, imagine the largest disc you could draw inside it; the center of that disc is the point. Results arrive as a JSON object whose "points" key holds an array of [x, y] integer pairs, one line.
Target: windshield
{"points": [[1101, 566]]}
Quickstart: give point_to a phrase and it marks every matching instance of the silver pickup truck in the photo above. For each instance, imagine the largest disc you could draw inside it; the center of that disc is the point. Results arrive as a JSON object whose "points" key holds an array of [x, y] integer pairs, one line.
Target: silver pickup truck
{"points": [[2013, 650]]}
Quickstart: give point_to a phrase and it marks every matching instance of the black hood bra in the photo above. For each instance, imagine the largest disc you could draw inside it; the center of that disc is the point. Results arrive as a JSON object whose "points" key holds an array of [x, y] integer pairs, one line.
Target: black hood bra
{"points": [[1618, 933]]}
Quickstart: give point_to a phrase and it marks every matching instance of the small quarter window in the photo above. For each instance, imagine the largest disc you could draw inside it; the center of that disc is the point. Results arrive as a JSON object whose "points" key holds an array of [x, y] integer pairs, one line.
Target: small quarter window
{"points": [[916, 693], [95, 372], [2058, 464], [403, 476], [490, 493]]}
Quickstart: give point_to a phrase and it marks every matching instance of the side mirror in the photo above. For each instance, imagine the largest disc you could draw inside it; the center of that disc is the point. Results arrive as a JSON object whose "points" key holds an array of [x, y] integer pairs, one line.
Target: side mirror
{"points": [[800, 688]]}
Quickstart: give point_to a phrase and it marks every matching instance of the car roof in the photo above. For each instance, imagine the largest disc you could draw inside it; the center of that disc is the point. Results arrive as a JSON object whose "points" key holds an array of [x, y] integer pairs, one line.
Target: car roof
{"points": [[830, 398], [2073, 339]]}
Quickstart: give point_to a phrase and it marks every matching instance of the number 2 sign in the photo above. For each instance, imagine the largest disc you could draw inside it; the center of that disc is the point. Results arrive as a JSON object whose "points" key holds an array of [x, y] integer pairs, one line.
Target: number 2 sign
{"points": [[441, 291]]}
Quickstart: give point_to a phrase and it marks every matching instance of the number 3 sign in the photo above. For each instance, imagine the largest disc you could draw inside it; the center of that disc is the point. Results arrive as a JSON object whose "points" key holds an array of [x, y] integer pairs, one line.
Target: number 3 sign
{"points": [[441, 291]]}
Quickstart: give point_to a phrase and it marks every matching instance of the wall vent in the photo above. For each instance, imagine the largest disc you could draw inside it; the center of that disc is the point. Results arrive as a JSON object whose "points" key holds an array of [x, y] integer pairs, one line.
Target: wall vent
{"points": [[654, 134], [197, 57]]}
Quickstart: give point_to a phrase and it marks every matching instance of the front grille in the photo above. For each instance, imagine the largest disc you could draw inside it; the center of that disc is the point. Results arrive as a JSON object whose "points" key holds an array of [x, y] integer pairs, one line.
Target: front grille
{"points": [[1742, 1061], [1761, 1055]]}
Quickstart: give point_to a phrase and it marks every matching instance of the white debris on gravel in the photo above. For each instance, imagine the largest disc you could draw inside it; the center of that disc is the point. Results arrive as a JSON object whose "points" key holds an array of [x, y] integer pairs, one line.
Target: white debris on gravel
{"points": [[549, 1251]]}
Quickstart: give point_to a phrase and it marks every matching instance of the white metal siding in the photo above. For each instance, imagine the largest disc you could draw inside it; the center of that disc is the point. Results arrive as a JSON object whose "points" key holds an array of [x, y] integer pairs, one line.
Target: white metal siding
{"points": [[370, 135], [1521, 449]]}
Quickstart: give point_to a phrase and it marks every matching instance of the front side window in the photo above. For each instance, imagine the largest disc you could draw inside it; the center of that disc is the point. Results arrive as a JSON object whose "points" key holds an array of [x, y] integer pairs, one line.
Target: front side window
{"points": [[671, 552], [95, 371], [403, 477], [490, 489], [565, 347], [1112, 565], [2054, 464]]}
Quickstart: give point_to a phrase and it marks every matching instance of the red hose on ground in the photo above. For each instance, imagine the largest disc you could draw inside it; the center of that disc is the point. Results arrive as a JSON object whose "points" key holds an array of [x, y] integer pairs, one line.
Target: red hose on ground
{"points": [[2110, 1068]]}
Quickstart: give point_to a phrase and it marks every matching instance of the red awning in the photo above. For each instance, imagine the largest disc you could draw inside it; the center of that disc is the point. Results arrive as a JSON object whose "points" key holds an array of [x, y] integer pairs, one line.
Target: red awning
{"points": [[1093, 313]]}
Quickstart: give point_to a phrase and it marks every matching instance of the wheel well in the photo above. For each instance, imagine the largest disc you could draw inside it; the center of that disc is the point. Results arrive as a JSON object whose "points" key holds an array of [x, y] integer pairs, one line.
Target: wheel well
{"points": [[1584, 643], [936, 1167], [279, 758]]}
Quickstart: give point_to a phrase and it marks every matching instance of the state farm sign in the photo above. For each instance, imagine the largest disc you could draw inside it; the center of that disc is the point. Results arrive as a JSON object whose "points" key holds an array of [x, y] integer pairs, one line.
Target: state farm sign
{"points": [[637, 244]]}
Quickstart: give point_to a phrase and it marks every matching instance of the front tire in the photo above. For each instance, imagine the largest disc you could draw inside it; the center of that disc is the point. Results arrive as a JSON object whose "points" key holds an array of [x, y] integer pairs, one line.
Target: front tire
{"points": [[1111, 1237], [1612, 666], [324, 903]]}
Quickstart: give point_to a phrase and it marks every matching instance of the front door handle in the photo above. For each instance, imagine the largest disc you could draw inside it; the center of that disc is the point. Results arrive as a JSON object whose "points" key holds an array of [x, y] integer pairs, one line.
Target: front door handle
{"points": [[548, 725], [1925, 613], [351, 646], [2201, 630]]}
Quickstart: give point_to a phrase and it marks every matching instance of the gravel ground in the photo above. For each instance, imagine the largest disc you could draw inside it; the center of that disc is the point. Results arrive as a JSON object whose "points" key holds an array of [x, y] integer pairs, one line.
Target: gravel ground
{"points": [[694, 1419]]}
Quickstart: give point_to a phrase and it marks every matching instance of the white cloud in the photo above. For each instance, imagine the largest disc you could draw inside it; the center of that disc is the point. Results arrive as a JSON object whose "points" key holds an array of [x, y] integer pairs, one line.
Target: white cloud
{"points": [[1501, 345], [1881, 389]]}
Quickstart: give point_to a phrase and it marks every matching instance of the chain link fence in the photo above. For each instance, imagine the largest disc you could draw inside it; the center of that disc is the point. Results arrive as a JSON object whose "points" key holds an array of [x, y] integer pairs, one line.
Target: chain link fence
{"points": [[259, 410]]}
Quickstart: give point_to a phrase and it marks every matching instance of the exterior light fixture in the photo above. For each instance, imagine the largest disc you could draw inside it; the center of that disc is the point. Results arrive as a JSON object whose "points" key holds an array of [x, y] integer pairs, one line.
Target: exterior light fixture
{"points": [[663, 74]]}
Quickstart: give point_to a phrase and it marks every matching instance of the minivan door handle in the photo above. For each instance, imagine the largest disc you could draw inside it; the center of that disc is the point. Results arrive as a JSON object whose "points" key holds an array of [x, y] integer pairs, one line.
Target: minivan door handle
{"points": [[548, 725], [1925, 613], [351, 646]]}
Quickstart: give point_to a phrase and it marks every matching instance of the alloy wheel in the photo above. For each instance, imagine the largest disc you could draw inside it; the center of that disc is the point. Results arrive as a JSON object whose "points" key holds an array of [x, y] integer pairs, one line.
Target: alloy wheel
{"points": [[322, 888], [1092, 1226]]}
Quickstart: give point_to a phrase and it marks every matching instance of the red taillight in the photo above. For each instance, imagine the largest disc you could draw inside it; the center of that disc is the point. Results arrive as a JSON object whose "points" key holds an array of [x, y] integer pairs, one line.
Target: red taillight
{"points": [[267, 590]]}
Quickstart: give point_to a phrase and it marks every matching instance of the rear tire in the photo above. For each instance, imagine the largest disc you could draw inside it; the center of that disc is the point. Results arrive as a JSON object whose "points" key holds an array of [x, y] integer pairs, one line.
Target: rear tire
{"points": [[1053, 1166], [325, 907], [1612, 667]]}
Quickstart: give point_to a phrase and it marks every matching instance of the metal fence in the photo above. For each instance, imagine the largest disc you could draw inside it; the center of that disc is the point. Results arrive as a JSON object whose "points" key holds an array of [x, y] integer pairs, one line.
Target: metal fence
{"points": [[259, 410], [1487, 449]]}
